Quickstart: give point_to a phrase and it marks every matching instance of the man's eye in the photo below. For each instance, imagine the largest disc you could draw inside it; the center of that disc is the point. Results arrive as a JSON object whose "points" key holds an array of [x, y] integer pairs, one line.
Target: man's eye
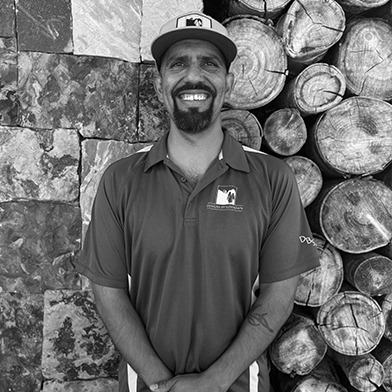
{"points": [[177, 64]]}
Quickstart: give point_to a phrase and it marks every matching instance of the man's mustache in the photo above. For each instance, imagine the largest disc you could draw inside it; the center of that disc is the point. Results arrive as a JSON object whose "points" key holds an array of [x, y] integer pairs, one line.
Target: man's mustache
{"points": [[193, 86]]}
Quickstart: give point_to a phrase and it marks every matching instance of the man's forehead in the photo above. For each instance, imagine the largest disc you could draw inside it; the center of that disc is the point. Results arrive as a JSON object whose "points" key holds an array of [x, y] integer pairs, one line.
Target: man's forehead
{"points": [[194, 47]]}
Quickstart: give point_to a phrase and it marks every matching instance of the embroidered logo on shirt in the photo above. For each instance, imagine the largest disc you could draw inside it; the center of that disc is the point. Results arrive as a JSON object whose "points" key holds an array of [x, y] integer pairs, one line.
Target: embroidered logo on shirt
{"points": [[308, 240], [225, 199]]}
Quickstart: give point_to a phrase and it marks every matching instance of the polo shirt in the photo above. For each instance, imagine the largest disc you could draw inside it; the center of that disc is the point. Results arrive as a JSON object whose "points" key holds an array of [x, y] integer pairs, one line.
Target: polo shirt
{"points": [[192, 256]]}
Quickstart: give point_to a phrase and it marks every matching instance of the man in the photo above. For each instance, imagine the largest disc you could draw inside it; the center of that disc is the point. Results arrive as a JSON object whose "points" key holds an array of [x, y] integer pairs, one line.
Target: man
{"points": [[194, 247]]}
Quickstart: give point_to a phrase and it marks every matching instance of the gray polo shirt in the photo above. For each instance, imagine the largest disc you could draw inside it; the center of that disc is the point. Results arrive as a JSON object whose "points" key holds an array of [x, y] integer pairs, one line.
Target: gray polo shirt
{"points": [[192, 256]]}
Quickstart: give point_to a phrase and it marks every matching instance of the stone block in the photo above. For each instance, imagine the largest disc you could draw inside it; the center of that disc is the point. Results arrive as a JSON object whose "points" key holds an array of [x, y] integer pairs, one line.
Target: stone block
{"points": [[44, 26], [21, 323], [39, 165], [76, 345], [97, 96], [96, 157], [7, 17], [153, 118], [38, 245], [107, 28], [100, 385], [8, 76], [158, 12]]}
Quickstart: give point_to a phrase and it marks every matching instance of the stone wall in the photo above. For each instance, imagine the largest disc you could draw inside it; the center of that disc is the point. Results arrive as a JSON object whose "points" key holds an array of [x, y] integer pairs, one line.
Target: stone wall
{"points": [[75, 95]]}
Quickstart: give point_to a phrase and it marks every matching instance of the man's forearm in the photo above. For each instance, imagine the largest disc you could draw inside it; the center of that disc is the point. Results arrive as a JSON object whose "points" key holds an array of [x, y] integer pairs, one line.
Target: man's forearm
{"points": [[128, 333], [268, 314]]}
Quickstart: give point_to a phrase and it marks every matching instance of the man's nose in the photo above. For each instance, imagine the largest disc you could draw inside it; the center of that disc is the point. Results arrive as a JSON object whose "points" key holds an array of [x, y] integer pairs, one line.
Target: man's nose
{"points": [[194, 73]]}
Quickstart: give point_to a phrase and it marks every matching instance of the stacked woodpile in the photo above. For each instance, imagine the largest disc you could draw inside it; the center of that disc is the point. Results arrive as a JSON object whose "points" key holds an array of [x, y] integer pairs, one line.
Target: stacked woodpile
{"points": [[313, 86]]}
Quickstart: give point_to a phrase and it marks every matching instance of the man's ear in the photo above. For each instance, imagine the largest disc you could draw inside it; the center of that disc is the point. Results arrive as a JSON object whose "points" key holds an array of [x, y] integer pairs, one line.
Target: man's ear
{"points": [[157, 80], [229, 84]]}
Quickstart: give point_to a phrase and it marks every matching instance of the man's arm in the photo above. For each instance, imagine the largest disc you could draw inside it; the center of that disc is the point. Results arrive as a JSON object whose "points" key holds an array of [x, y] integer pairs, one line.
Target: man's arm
{"points": [[270, 311], [128, 333]]}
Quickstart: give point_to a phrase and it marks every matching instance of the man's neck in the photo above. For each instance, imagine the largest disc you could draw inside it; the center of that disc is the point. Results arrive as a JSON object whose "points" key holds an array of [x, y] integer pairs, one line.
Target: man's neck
{"points": [[193, 154]]}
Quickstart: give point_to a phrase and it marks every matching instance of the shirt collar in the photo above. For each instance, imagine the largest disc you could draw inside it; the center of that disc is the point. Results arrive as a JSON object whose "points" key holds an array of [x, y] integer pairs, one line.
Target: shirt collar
{"points": [[232, 153]]}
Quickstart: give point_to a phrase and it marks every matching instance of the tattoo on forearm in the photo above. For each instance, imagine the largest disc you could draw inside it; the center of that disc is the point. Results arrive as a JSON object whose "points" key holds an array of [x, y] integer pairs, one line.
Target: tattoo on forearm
{"points": [[256, 318]]}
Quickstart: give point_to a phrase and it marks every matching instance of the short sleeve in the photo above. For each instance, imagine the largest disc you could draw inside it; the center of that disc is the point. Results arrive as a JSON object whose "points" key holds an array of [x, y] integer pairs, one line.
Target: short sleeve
{"points": [[288, 248], [103, 258]]}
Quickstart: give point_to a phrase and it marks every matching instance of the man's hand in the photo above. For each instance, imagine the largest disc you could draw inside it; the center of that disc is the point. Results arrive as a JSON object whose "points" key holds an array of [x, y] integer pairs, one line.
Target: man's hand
{"points": [[195, 382]]}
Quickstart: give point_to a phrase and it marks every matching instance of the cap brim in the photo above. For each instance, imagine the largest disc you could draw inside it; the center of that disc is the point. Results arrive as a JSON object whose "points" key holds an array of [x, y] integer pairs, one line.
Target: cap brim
{"points": [[164, 41]]}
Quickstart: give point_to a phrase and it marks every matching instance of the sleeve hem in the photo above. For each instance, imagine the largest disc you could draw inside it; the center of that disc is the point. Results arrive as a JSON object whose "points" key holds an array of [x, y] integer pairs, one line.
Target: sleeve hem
{"points": [[283, 275], [103, 281]]}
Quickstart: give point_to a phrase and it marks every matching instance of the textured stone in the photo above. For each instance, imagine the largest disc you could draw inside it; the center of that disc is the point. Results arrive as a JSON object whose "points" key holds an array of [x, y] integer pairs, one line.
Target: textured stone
{"points": [[107, 28], [95, 95], [76, 345], [21, 320], [153, 118], [44, 25], [158, 12], [38, 245], [100, 385], [96, 157], [7, 17], [39, 165], [8, 85]]}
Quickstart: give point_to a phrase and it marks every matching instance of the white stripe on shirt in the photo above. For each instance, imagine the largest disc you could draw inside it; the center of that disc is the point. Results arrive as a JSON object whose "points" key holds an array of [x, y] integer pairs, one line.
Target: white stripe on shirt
{"points": [[254, 377]]}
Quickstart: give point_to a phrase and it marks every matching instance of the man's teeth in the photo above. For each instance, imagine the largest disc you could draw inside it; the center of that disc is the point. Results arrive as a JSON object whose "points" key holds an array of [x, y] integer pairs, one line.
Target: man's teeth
{"points": [[193, 97]]}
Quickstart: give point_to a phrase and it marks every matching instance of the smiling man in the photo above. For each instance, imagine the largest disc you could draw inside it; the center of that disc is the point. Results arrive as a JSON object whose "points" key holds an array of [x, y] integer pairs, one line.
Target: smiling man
{"points": [[194, 248]]}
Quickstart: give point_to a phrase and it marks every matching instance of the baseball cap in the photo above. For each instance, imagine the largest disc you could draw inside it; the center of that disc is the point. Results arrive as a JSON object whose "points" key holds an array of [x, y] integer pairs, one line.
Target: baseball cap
{"points": [[193, 25]]}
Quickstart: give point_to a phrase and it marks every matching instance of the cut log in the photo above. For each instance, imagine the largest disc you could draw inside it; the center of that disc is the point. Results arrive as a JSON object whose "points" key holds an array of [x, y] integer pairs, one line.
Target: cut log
{"points": [[309, 28], [298, 347], [285, 131], [317, 286], [308, 176], [351, 323], [364, 372], [364, 55], [270, 9], [383, 353], [317, 88], [261, 64], [323, 378], [353, 138], [243, 126], [386, 306], [354, 215], [370, 273], [359, 6]]}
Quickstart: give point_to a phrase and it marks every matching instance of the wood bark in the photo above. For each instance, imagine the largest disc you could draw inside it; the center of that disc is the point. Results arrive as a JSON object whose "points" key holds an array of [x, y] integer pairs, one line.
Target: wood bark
{"points": [[364, 56], [354, 215], [386, 306], [299, 347], [323, 378], [308, 176], [359, 6], [317, 88], [384, 12], [364, 372], [243, 126], [260, 67], [309, 28], [351, 323], [370, 273], [285, 132], [317, 286], [383, 353], [270, 9], [353, 138]]}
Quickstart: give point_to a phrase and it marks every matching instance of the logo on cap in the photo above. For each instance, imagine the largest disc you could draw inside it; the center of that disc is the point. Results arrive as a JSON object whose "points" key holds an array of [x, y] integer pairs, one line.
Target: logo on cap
{"points": [[195, 20]]}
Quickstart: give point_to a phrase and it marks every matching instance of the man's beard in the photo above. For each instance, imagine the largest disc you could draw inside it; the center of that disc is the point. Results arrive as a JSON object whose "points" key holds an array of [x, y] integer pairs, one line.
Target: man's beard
{"points": [[192, 121]]}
